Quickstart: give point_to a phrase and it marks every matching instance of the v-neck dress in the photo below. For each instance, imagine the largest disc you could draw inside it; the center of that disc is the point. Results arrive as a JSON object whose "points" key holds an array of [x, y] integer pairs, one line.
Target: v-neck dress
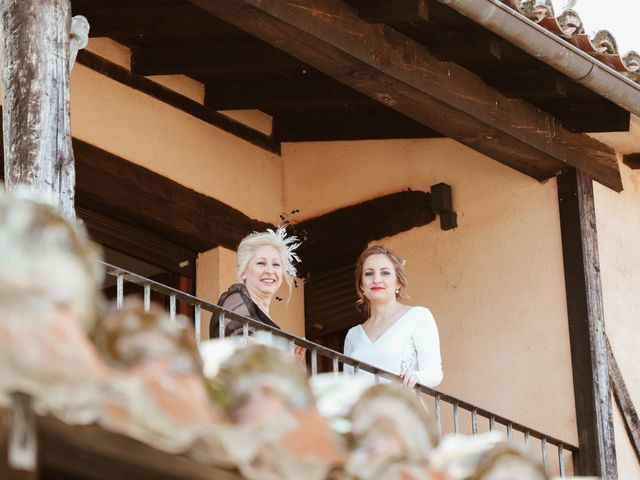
{"points": [[410, 344]]}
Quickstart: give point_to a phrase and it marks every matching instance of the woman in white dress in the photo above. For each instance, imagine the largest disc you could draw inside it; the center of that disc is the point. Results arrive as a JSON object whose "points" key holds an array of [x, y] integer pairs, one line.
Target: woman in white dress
{"points": [[398, 338]]}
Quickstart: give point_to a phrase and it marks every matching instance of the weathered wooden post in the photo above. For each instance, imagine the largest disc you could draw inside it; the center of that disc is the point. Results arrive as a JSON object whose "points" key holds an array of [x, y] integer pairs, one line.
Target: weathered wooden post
{"points": [[36, 61], [38, 49]]}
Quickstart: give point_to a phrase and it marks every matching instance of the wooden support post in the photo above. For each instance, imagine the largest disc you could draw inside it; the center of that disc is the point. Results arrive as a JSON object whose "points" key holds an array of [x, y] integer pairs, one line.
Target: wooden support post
{"points": [[35, 75], [586, 326]]}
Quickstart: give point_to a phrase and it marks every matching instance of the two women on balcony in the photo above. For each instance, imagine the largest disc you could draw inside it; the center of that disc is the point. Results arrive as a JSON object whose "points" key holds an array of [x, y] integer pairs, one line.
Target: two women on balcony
{"points": [[396, 337], [264, 260]]}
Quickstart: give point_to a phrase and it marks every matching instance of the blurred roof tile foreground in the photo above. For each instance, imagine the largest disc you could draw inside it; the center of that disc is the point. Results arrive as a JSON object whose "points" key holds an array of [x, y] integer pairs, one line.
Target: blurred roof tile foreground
{"points": [[568, 25]]}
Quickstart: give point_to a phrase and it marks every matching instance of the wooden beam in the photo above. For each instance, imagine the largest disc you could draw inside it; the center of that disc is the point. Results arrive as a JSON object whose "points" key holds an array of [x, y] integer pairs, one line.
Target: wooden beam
{"points": [[163, 94], [336, 239], [208, 60], [624, 402], [312, 93], [136, 21], [594, 416], [343, 125], [114, 187], [400, 73], [632, 160]]}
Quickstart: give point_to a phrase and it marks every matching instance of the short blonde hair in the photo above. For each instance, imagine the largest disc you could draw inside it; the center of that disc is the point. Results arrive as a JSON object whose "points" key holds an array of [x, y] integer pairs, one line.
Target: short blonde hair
{"points": [[273, 238]]}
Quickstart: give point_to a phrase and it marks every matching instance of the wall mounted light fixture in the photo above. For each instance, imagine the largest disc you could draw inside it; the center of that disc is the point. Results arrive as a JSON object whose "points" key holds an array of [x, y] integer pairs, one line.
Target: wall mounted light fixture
{"points": [[442, 204]]}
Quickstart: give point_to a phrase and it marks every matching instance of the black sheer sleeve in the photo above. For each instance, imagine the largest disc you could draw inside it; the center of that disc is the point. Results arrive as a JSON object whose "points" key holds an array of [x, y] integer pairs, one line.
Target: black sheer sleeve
{"points": [[237, 300]]}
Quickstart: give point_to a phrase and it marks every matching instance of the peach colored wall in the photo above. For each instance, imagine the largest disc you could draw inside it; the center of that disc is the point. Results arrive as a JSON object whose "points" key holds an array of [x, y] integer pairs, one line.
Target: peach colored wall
{"points": [[215, 271], [495, 284], [618, 223], [172, 143], [191, 152]]}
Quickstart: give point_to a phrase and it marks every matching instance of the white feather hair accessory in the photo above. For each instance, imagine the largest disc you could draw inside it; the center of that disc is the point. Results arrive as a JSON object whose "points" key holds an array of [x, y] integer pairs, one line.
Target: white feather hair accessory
{"points": [[289, 244]]}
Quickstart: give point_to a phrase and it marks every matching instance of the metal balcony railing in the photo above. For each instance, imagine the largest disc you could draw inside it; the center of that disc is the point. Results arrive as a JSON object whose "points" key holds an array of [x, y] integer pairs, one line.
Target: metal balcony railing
{"points": [[452, 414]]}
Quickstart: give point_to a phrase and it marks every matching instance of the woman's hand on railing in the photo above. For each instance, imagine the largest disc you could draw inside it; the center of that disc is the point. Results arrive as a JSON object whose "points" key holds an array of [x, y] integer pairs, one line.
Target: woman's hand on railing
{"points": [[299, 352], [409, 379]]}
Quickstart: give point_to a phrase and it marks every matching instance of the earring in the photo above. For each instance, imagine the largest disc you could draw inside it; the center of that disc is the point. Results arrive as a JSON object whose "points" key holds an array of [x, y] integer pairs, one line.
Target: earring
{"points": [[397, 291]]}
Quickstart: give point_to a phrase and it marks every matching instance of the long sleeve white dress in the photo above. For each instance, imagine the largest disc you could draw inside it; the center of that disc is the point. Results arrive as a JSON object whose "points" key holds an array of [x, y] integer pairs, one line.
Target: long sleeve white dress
{"points": [[411, 344]]}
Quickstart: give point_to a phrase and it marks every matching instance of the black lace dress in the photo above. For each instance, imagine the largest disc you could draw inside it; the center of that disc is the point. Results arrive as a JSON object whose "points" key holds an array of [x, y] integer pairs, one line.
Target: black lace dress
{"points": [[237, 300]]}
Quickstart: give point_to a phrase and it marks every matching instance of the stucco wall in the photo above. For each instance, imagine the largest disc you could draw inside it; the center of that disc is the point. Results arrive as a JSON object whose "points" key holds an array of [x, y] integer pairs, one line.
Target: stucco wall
{"points": [[150, 133], [166, 140], [495, 284], [618, 223]]}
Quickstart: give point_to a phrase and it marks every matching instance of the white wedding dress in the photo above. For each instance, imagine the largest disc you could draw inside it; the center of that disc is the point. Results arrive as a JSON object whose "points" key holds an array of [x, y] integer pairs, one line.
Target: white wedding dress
{"points": [[411, 344]]}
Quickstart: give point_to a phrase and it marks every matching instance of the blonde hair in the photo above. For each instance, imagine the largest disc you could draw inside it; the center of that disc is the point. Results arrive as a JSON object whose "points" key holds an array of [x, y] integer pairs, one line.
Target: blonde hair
{"points": [[398, 265], [273, 238]]}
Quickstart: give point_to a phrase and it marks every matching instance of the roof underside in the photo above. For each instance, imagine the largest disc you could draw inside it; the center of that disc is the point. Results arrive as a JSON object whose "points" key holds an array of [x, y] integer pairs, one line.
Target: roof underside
{"points": [[320, 83]]}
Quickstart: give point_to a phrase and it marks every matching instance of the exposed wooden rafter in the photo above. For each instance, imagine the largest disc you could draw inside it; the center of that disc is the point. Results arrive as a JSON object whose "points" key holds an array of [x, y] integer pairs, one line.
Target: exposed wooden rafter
{"points": [[207, 60], [114, 186], [401, 74], [318, 126], [532, 84], [295, 95], [466, 48]]}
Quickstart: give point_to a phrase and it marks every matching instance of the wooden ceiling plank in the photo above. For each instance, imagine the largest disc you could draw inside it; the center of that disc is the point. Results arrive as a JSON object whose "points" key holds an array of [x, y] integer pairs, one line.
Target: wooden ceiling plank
{"points": [[206, 59], [142, 21], [484, 48], [332, 126], [398, 72], [530, 84], [323, 93], [587, 118]]}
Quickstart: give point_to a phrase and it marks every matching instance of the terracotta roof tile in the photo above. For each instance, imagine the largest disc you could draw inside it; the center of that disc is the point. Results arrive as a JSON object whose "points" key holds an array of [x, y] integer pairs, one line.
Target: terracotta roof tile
{"points": [[568, 25]]}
